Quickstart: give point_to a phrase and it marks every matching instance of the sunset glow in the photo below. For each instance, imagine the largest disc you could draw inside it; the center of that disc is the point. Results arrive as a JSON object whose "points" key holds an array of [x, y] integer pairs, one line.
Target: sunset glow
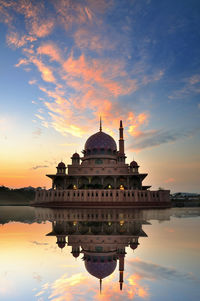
{"points": [[64, 63]]}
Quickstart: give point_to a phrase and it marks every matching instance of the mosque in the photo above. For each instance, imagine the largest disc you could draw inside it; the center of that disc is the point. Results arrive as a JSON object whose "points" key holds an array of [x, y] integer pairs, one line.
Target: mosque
{"points": [[100, 176]]}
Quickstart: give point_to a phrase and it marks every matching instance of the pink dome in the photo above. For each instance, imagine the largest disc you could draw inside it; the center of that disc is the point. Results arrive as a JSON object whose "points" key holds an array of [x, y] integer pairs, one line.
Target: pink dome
{"points": [[61, 165], [100, 140], [133, 164], [75, 155]]}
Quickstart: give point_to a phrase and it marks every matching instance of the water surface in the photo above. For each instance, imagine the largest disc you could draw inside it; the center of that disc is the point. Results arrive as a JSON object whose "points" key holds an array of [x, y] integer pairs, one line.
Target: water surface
{"points": [[62, 254]]}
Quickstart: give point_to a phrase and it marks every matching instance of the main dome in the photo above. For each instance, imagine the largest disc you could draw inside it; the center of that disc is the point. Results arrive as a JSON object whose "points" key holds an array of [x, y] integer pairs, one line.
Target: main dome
{"points": [[100, 140]]}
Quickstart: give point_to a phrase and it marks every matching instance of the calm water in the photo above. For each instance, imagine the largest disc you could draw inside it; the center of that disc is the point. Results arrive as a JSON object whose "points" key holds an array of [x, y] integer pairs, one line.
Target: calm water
{"points": [[61, 254]]}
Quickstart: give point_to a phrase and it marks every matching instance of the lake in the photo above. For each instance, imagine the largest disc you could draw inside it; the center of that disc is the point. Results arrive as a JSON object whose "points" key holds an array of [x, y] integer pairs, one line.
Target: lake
{"points": [[99, 254]]}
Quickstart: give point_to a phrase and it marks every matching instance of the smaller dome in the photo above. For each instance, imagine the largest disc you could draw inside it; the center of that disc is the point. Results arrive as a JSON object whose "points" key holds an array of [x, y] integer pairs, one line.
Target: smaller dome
{"points": [[75, 155], [61, 165], [134, 164], [134, 245]]}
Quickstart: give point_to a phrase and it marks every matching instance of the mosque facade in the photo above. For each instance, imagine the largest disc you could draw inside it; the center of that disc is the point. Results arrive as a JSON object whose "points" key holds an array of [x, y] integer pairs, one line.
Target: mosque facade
{"points": [[100, 175]]}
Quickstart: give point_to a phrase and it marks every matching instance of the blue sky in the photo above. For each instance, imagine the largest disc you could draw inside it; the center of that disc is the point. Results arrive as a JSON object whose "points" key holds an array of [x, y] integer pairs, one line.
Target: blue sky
{"points": [[65, 63]]}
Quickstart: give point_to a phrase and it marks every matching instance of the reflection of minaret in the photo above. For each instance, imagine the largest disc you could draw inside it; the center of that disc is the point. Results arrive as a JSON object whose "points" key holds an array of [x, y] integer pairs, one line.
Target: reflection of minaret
{"points": [[121, 270], [100, 282]]}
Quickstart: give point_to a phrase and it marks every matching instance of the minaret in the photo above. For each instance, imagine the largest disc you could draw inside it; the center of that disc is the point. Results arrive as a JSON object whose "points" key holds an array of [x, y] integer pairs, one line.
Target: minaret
{"points": [[121, 139], [100, 127]]}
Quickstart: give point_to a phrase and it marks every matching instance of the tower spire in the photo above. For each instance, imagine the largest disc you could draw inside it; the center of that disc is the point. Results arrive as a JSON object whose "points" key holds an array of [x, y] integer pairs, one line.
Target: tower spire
{"points": [[121, 138], [100, 128]]}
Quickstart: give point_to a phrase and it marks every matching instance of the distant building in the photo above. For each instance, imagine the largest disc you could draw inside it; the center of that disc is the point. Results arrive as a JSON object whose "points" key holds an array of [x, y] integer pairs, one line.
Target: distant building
{"points": [[102, 168]]}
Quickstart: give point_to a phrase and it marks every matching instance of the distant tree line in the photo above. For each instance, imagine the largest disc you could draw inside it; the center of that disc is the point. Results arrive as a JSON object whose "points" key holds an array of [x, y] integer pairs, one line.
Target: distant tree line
{"points": [[17, 195]]}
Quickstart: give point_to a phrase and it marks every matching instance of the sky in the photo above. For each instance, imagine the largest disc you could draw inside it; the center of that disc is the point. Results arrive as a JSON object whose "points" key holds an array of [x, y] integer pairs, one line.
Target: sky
{"points": [[64, 63]]}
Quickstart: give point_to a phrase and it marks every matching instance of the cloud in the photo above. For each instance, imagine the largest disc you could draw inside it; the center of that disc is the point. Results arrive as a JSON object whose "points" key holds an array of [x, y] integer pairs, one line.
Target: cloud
{"points": [[188, 86], [155, 138], [91, 39], [72, 13], [39, 293], [89, 77], [153, 271], [39, 166], [170, 180], [51, 50], [135, 121], [14, 39], [32, 82], [37, 277], [22, 62], [154, 77], [46, 72], [37, 132], [77, 286], [39, 243]]}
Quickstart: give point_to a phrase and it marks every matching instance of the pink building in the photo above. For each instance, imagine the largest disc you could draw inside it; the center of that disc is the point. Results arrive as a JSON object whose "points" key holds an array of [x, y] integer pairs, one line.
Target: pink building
{"points": [[101, 175]]}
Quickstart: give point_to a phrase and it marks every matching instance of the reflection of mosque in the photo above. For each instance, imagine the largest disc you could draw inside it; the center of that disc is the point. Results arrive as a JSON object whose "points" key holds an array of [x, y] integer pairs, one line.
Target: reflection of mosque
{"points": [[100, 235]]}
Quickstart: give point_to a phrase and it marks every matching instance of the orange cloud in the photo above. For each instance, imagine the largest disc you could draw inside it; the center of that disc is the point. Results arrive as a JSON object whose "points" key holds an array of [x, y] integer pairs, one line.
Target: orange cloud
{"points": [[39, 21], [170, 180], [50, 50], [41, 28], [135, 122], [66, 288], [71, 13], [17, 40], [87, 38], [83, 85], [46, 73]]}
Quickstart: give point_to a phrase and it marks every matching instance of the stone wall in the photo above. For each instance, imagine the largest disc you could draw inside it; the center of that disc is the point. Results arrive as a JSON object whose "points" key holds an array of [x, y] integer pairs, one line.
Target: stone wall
{"points": [[99, 196]]}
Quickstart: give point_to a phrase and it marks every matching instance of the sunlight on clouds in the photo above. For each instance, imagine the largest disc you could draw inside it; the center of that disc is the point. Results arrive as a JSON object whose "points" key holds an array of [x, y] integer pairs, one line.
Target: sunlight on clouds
{"points": [[170, 180], [135, 121], [83, 84], [46, 73], [67, 288], [14, 39], [51, 50], [22, 62]]}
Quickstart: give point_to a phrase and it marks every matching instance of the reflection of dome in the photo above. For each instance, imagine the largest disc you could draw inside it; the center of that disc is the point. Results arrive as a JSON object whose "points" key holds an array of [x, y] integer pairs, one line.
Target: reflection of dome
{"points": [[61, 244], [100, 140], [134, 164], [75, 155], [75, 254], [61, 165], [100, 269], [134, 245]]}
